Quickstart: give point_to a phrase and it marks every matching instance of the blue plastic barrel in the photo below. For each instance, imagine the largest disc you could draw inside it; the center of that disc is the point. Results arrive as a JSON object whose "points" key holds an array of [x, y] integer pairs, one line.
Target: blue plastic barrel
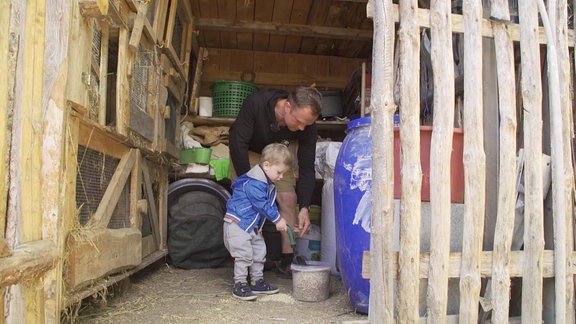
{"points": [[352, 202]]}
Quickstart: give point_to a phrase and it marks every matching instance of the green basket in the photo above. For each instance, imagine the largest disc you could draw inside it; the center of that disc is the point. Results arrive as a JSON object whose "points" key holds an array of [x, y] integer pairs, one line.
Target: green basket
{"points": [[228, 96]]}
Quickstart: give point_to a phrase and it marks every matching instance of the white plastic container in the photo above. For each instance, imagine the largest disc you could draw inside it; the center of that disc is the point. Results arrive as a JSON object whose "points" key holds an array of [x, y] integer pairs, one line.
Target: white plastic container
{"points": [[311, 282], [328, 253], [205, 106], [308, 246]]}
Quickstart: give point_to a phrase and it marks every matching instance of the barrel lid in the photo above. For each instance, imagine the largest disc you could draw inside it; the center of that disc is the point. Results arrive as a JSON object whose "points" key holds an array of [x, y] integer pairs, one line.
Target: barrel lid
{"points": [[359, 122]]}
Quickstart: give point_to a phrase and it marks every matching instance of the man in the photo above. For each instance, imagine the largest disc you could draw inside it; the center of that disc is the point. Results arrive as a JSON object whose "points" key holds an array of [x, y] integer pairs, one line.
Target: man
{"points": [[276, 116]]}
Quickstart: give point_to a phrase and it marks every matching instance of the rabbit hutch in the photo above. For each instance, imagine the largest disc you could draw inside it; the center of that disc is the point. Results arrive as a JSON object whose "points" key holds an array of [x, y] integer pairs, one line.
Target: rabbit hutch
{"points": [[469, 106]]}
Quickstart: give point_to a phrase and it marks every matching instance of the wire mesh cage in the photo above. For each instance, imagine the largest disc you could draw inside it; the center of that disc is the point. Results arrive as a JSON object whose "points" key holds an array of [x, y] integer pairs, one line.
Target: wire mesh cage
{"points": [[95, 170], [139, 84]]}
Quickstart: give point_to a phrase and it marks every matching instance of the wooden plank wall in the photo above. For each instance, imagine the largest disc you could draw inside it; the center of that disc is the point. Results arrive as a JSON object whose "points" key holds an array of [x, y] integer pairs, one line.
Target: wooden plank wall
{"points": [[532, 263], [275, 69], [45, 93]]}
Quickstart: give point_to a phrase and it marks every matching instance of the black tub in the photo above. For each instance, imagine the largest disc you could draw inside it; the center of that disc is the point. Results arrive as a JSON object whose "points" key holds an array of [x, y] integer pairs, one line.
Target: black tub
{"points": [[195, 211]]}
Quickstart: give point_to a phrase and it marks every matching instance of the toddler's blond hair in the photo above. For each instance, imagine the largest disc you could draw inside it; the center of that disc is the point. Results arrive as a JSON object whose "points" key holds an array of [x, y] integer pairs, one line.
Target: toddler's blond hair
{"points": [[276, 153]]}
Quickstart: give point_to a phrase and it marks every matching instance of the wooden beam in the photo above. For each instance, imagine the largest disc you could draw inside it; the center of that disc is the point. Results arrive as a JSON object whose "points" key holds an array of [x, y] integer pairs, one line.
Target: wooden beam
{"points": [[200, 60], [423, 16], [95, 253], [29, 260], [138, 27], [515, 267], [243, 26], [5, 93], [100, 285], [101, 139], [110, 198], [288, 79]]}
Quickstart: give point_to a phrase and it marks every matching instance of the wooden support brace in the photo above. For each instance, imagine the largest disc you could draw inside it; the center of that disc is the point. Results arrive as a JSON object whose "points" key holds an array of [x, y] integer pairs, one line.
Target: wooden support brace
{"points": [[103, 214], [138, 27], [153, 213], [29, 260]]}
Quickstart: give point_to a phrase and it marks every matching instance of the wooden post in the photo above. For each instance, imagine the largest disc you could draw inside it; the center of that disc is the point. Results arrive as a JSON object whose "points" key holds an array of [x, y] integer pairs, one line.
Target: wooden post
{"points": [[440, 153], [558, 183], [506, 206], [4, 100], [562, 49], [200, 59], [533, 211], [474, 164], [125, 61], [54, 134], [103, 92], [381, 305], [410, 166]]}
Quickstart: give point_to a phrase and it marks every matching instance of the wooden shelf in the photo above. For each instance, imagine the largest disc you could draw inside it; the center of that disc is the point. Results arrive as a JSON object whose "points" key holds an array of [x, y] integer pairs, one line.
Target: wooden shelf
{"points": [[323, 125]]}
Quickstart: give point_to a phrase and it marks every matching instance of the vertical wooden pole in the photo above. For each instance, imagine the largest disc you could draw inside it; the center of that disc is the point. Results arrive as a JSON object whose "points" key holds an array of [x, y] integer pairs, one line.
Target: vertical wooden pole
{"points": [[53, 149], [531, 84], [25, 207], [125, 60], [136, 192], [410, 166], [474, 164], [103, 92], [4, 135], [440, 153], [4, 90], [381, 305], [163, 208], [558, 184], [500, 282], [565, 79]]}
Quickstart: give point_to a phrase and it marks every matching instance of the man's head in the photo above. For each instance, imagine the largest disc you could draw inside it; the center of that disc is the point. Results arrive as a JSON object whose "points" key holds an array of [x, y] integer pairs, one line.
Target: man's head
{"points": [[302, 108], [275, 160]]}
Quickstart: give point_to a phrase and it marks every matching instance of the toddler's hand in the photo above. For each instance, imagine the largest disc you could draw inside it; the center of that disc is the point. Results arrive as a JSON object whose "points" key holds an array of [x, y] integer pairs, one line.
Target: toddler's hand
{"points": [[281, 225]]}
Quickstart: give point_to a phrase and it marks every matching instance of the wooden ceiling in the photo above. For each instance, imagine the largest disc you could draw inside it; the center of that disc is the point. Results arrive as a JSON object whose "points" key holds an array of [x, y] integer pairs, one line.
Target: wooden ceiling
{"points": [[317, 27]]}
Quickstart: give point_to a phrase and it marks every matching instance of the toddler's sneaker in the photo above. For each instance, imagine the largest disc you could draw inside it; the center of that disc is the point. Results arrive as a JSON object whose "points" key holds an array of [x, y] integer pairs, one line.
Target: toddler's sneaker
{"points": [[262, 287], [242, 291]]}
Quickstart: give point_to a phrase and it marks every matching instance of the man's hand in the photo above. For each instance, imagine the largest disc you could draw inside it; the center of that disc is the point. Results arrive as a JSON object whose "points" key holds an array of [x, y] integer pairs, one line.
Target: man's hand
{"points": [[303, 221]]}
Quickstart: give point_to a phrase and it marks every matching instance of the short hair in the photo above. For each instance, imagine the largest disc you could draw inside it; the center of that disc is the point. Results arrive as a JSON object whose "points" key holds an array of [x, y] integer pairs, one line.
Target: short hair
{"points": [[276, 153], [306, 97]]}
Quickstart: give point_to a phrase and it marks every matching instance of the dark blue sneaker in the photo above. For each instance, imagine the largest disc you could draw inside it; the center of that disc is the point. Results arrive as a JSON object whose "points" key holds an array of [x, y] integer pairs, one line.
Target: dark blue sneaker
{"points": [[242, 291], [262, 287]]}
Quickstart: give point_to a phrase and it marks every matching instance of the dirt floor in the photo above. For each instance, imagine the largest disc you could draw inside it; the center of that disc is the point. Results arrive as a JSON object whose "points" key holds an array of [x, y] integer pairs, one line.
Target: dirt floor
{"points": [[165, 294]]}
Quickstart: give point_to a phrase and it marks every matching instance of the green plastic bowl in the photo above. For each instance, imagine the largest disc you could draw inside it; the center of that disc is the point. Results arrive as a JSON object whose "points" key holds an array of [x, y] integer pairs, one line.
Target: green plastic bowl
{"points": [[195, 155], [202, 155]]}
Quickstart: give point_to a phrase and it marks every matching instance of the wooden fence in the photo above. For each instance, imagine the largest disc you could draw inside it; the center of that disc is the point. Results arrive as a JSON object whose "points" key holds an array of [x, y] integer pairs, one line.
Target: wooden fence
{"points": [[534, 80]]}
